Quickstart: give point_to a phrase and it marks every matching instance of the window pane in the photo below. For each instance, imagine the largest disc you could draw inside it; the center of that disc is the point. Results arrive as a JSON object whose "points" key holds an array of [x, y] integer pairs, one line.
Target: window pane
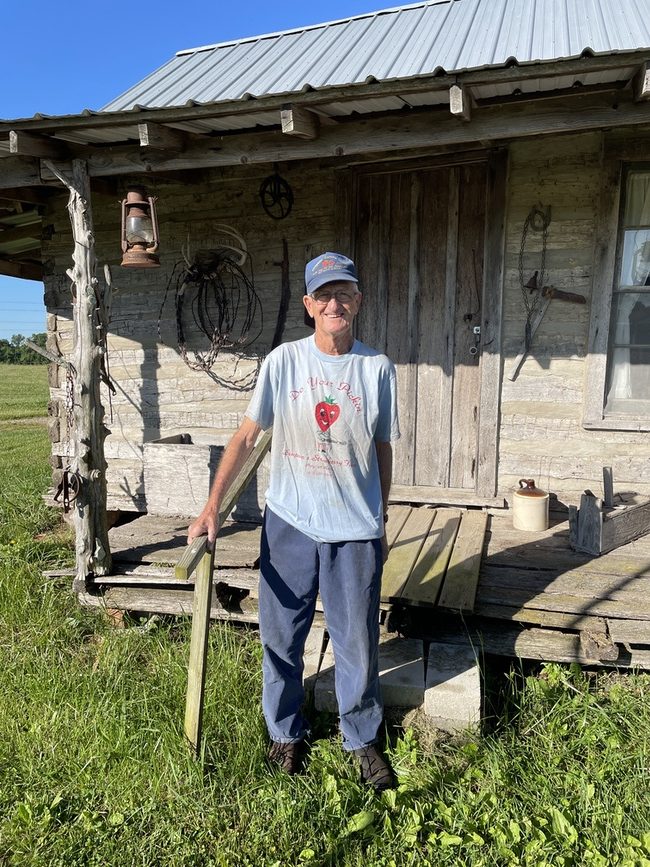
{"points": [[629, 375], [628, 369], [635, 265], [631, 318], [637, 199]]}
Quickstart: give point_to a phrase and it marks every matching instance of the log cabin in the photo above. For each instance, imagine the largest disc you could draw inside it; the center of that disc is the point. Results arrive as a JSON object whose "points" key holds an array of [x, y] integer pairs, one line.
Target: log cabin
{"points": [[487, 165]]}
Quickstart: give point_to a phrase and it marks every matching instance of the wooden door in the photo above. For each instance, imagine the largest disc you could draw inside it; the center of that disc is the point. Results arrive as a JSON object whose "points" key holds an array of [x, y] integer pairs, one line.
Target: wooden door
{"points": [[419, 246]]}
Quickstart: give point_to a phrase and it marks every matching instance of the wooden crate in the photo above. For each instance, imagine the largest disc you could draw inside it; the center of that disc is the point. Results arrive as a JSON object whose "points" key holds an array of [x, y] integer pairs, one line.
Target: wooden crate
{"points": [[597, 529], [179, 469]]}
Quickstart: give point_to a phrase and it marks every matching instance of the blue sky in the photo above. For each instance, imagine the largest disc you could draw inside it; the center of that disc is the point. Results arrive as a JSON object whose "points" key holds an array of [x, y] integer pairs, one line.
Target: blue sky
{"points": [[64, 57]]}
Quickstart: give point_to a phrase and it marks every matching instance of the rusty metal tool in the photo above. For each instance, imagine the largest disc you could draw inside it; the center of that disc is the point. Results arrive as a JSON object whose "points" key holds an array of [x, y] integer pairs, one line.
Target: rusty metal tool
{"points": [[561, 295]]}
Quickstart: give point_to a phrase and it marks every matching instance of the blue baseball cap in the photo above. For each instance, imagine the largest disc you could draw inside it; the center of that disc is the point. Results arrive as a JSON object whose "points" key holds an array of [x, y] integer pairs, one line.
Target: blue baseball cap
{"points": [[327, 268]]}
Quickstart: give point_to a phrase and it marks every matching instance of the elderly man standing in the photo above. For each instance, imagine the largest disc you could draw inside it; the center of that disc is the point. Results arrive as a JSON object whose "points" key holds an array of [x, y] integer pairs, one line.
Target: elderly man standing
{"points": [[332, 404]]}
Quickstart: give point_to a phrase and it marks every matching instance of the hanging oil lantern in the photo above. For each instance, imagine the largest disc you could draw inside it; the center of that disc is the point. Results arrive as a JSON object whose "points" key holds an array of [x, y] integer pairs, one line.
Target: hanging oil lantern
{"points": [[139, 230]]}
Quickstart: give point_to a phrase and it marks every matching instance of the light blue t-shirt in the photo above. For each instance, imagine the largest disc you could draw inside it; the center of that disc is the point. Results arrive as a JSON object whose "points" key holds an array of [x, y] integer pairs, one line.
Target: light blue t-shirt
{"points": [[327, 411]]}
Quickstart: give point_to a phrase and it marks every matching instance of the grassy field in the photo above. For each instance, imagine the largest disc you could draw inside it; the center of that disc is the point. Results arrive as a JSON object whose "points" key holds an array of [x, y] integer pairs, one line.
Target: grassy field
{"points": [[94, 771], [23, 391]]}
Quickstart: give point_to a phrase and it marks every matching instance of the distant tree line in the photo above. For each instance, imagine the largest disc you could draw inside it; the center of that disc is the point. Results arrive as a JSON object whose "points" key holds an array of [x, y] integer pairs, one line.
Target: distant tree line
{"points": [[15, 351]]}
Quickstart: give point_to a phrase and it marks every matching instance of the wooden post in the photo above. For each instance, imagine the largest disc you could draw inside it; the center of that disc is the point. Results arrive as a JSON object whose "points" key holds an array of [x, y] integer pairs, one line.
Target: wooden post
{"points": [[199, 647], [92, 549], [197, 557]]}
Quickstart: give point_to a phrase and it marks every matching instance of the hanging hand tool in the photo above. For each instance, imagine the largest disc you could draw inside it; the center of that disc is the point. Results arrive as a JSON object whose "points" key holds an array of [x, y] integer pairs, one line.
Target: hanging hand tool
{"points": [[547, 293], [561, 295], [285, 296]]}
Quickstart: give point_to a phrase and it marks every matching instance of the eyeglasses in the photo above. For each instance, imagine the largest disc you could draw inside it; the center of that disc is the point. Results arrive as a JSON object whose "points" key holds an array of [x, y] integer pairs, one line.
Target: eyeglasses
{"points": [[341, 295]]}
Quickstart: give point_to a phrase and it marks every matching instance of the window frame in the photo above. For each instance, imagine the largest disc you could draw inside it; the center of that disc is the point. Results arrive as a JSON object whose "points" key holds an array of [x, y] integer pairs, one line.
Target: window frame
{"points": [[606, 263]]}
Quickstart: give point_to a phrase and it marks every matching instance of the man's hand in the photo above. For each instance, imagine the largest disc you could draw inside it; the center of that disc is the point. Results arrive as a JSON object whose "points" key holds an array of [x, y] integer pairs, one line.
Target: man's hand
{"points": [[207, 524]]}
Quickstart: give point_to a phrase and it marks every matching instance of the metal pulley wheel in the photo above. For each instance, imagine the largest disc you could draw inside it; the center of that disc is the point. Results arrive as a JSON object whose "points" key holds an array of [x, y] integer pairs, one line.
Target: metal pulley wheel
{"points": [[68, 489], [276, 196]]}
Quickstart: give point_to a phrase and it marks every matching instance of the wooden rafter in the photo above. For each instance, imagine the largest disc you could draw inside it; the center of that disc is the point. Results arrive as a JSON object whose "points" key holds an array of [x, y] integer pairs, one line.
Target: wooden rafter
{"points": [[24, 270], [19, 233], [641, 83], [299, 122], [460, 102], [159, 137], [27, 195], [26, 144]]}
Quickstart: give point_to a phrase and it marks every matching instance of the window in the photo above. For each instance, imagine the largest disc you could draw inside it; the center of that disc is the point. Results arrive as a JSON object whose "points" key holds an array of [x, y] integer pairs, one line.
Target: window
{"points": [[617, 384], [628, 367]]}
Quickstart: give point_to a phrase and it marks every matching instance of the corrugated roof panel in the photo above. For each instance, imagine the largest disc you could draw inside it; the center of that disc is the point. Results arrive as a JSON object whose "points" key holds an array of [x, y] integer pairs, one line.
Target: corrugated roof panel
{"points": [[402, 42]]}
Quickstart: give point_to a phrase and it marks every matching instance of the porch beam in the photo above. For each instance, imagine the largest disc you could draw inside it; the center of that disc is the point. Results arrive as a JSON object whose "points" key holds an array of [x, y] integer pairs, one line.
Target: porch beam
{"points": [[641, 82], [26, 144], [430, 129], [19, 172], [159, 137], [460, 102], [92, 547], [299, 122]]}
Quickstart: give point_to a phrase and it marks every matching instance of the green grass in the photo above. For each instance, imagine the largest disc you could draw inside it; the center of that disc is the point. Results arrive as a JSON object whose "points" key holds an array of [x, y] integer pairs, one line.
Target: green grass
{"points": [[23, 391], [94, 771]]}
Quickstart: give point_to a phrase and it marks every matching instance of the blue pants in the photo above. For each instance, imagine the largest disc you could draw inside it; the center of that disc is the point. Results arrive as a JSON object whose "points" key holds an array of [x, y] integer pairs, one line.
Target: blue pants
{"points": [[293, 568]]}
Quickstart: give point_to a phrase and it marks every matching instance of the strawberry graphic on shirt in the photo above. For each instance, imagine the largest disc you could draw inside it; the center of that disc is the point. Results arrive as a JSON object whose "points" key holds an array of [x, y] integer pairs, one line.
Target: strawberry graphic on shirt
{"points": [[327, 411]]}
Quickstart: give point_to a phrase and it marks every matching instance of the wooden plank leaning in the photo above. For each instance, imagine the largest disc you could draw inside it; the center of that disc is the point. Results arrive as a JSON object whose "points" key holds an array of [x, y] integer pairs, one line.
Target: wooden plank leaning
{"points": [[197, 558], [459, 590], [428, 572], [404, 553]]}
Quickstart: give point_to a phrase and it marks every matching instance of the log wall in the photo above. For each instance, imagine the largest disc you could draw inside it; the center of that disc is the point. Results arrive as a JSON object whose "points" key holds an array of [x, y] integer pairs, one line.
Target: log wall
{"points": [[540, 432], [158, 395]]}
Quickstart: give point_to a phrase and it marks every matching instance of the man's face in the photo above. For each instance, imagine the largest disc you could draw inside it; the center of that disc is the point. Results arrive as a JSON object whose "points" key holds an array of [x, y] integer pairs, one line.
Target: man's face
{"points": [[333, 307]]}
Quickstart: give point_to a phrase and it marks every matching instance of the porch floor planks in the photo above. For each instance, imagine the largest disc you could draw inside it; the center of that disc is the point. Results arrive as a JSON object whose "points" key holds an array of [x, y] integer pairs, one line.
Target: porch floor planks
{"points": [[397, 516], [423, 584], [162, 540], [536, 578], [529, 584], [404, 552], [459, 589]]}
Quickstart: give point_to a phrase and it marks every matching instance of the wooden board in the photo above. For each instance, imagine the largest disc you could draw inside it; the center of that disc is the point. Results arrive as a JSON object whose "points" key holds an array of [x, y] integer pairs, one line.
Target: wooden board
{"points": [[459, 589], [630, 608], [405, 552], [158, 601], [419, 237], [589, 585], [536, 617], [541, 644], [397, 516], [428, 573], [201, 604], [153, 539], [597, 531]]}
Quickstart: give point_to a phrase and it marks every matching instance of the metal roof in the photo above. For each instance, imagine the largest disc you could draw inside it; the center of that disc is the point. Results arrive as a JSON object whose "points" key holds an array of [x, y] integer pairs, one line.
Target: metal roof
{"points": [[402, 42]]}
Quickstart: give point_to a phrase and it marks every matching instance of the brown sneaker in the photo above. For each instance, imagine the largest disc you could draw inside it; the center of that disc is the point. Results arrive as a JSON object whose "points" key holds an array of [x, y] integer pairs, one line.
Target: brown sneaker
{"points": [[375, 770], [288, 757]]}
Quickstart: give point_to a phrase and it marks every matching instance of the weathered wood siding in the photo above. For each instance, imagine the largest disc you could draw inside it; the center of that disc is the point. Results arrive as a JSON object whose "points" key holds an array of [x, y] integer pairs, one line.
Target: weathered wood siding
{"points": [[157, 394], [541, 432]]}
